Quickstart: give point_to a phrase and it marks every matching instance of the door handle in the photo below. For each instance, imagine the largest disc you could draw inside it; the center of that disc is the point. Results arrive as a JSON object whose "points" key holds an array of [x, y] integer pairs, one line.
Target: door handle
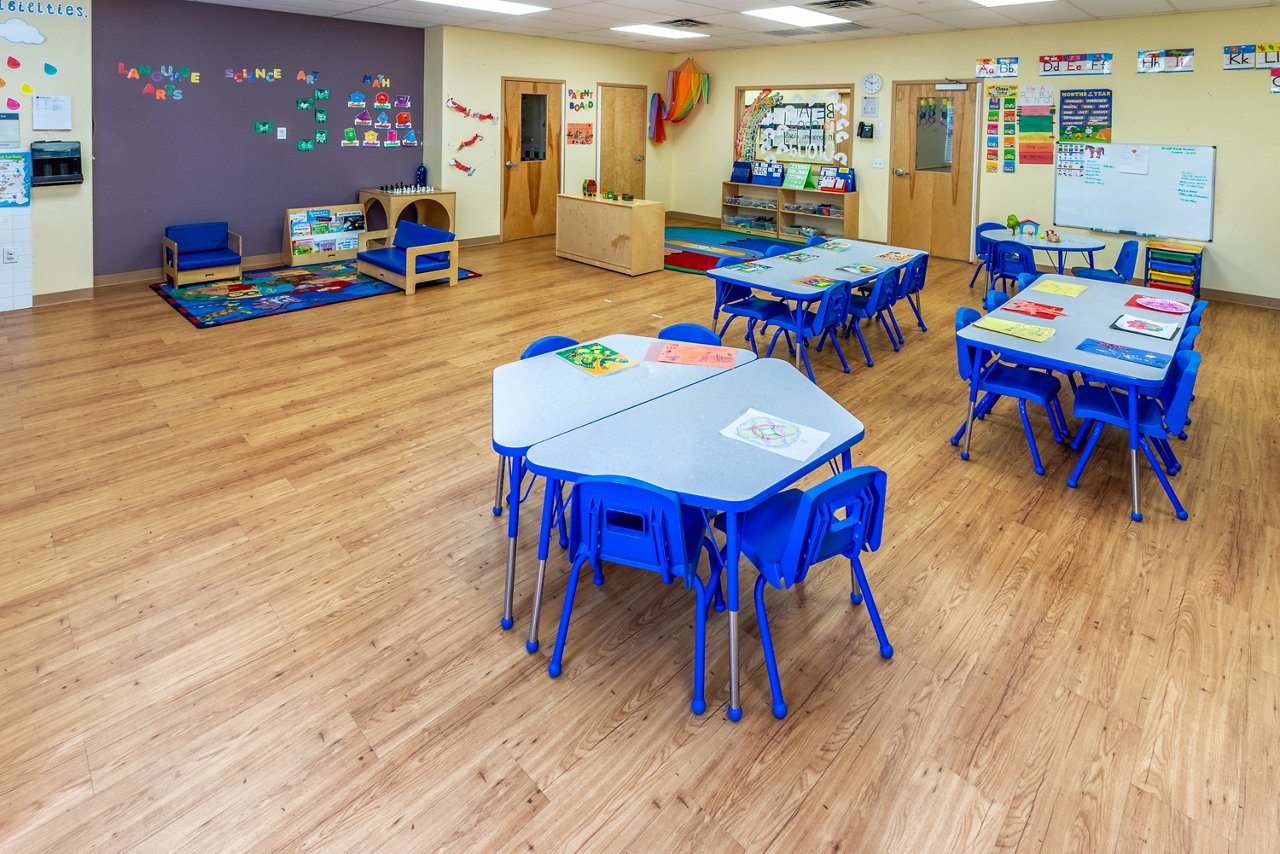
{"points": [[901, 172], [509, 164], [640, 157]]}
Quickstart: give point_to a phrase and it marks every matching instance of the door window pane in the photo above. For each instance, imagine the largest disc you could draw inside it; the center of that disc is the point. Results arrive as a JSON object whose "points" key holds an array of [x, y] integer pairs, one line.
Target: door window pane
{"points": [[935, 125], [533, 127]]}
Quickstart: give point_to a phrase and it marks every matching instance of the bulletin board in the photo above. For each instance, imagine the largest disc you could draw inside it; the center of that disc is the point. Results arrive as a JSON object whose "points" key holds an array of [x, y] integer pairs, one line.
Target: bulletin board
{"points": [[794, 124]]}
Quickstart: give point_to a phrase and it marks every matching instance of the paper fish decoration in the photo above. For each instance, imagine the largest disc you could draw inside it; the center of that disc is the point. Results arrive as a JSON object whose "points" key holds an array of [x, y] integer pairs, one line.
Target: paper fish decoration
{"points": [[462, 167], [456, 107], [467, 143]]}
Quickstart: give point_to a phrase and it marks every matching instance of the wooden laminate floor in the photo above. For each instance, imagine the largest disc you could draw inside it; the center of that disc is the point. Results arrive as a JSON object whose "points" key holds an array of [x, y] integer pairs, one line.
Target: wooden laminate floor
{"points": [[250, 587]]}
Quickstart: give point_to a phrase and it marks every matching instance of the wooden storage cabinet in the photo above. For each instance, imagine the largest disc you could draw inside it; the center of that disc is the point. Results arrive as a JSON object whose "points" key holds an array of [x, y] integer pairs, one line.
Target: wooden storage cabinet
{"points": [[788, 214], [626, 237]]}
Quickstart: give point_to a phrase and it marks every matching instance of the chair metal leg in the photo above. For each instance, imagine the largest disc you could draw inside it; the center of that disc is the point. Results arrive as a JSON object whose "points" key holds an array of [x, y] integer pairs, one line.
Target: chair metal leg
{"points": [[886, 649], [770, 661], [557, 655], [1031, 437], [497, 495], [1074, 480], [1164, 481], [863, 341], [855, 594]]}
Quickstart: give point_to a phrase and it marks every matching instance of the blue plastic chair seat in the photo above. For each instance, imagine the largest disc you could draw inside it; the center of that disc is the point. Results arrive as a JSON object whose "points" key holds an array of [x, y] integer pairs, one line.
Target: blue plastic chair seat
{"points": [[1097, 275], [769, 525], [393, 258], [1097, 402], [755, 308], [1011, 381], [206, 258]]}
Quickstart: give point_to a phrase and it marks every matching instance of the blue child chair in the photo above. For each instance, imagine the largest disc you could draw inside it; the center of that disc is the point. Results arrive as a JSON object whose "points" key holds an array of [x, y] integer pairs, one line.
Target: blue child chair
{"points": [[819, 325], [815, 240], [998, 380], [690, 333], [874, 305], [793, 530], [982, 249], [915, 273], [1009, 258], [628, 522], [993, 300], [1126, 262], [1157, 418], [737, 301], [1026, 280]]}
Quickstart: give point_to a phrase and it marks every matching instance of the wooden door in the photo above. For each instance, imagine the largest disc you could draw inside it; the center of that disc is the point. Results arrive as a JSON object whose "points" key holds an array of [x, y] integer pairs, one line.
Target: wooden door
{"points": [[624, 115], [932, 180], [531, 136]]}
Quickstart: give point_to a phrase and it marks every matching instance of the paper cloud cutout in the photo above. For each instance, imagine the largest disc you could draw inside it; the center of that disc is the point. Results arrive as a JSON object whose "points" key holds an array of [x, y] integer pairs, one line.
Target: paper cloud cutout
{"points": [[19, 31]]}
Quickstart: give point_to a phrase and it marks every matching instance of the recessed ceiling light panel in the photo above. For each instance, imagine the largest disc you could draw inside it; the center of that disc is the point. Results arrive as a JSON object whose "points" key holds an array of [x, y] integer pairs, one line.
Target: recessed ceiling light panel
{"points": [[502, 7], [993, 3], [795, 16], [659, 32]]}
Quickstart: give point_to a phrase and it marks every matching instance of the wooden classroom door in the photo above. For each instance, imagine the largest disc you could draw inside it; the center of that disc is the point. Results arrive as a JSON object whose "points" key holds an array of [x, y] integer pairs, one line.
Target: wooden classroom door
{"points": [[531, 140], [931, 188], [624, 113]]}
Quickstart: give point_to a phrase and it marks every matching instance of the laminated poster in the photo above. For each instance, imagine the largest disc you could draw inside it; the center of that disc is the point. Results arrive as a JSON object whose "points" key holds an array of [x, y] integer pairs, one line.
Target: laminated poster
{"points": [[1120, 351], [595, 358], [775, 435]]}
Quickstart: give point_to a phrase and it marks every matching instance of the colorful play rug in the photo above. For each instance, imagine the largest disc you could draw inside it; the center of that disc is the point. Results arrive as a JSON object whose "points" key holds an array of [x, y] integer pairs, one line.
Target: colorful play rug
{"points": [[696, 250], [262, 293]]}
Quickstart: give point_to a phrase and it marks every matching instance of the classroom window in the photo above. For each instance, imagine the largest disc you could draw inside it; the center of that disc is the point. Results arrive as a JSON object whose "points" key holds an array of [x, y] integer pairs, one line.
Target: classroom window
{"points": [[533, 127], [935, 125]]}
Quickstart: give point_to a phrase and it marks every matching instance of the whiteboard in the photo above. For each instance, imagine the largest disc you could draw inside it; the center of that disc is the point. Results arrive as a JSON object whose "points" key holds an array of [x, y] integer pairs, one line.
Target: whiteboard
{"points": [[1152, 190]]}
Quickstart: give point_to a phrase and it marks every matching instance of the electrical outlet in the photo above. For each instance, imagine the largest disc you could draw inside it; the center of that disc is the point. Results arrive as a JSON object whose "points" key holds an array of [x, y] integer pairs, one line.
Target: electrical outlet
{"points": [[878, 163], [10, 255]]}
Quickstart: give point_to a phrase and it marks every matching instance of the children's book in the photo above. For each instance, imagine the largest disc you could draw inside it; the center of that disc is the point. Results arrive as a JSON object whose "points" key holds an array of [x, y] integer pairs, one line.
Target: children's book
{"points": [[1168, 306], [1062, 289], [595, 358], [834, 246], [1142, 326], [895, 257], [1119, 351], [816, 281], [858, 269], [680, 353], [748, 267], [1029, 331], [798, 257], [1035, 309]]}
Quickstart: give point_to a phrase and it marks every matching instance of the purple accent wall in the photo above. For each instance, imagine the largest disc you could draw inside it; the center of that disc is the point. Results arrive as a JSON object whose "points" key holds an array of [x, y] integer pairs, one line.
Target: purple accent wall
{"points": [[159, 163]]}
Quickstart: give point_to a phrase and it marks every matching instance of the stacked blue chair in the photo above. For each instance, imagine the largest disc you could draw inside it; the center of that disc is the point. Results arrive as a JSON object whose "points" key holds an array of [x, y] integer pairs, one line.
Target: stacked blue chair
{"points": [[1009, 258], [993, 300], [915, 273], [737, 301], [998, 380], [794, 530], [628, 522], [817, 325], [982, 249], [1126, 262], [874, 305], [690, 333], [1157, 418]]}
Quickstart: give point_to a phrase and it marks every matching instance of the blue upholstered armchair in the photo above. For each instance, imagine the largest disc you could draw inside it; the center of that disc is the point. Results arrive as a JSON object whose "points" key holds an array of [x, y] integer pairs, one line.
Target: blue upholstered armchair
{"points": [[201, 252], [417, 254]]}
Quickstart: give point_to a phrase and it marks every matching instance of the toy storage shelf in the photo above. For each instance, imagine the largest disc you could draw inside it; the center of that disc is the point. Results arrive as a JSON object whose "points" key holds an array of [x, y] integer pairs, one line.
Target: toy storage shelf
{"points": [[342, 225], [1174, 267], [787, 214]]}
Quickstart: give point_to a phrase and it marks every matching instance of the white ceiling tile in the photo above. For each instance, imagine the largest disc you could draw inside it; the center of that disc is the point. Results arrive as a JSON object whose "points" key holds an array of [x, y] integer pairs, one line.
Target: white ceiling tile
{"points": [[913, 24], [1123, 8], [972, 19], [927, 7], [1213, 5], [1045, 13], [668, 9]]}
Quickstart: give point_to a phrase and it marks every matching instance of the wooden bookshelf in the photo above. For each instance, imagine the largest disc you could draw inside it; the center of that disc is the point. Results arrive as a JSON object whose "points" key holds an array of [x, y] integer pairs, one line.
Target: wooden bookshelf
{"points": [[342, 226], [782, 213]]}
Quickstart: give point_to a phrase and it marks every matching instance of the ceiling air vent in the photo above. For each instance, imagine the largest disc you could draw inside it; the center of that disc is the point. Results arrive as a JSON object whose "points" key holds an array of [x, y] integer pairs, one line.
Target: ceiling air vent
{"points": [[684, 23], [842, 4], [847, 27]]}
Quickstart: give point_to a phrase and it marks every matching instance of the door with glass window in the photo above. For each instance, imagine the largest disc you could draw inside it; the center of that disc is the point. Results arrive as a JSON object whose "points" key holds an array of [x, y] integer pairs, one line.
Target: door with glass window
{"points": [[932, 168], [531, 156]]}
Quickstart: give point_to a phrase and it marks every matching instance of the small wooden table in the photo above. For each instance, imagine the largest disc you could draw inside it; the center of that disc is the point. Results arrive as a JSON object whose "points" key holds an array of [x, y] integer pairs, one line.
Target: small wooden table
{"points": [[435, 209], [622, 236]]}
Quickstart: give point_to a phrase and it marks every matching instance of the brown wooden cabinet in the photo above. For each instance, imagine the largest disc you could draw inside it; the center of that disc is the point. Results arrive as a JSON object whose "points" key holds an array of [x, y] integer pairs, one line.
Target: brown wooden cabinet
{"points": [[623, 236], [788, 214]]}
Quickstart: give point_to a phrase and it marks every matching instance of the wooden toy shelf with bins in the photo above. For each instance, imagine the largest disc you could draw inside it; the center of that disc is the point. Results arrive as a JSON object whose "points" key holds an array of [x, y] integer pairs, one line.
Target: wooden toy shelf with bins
{"points": [[782, 213]]}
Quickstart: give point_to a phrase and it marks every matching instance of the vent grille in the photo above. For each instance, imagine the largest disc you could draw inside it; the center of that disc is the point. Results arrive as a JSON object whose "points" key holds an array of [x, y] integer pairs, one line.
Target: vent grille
{"points": [[842, 4], [684, 23], [847, 27]]}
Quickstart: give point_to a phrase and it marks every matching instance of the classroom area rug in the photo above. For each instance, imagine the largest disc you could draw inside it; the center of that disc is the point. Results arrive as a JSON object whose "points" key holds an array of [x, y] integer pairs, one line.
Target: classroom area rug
{"points": [[263, 293], [696, 250]]}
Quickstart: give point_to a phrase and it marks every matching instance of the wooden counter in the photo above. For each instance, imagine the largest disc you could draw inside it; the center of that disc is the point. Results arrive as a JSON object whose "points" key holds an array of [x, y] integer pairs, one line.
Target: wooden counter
{"points": [[435, 209], [623, 236]]}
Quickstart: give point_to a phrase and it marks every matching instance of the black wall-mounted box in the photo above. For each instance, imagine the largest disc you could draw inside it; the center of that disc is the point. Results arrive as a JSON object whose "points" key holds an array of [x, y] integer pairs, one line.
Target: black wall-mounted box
{"points": [[55, 162]]}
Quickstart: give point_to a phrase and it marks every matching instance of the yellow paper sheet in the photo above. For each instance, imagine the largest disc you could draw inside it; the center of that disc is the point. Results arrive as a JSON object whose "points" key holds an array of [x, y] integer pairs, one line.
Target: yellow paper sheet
{"points": [[1029, 331], [1060, 288]]}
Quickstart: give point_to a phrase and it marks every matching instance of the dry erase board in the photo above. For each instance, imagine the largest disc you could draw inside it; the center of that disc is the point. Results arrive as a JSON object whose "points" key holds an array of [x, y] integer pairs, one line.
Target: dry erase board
{"points": [[1152, 190]]}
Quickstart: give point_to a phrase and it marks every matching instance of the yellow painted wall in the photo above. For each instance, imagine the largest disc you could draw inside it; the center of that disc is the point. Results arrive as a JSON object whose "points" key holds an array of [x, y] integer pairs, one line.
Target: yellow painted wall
{"points": [[61, 216], [1233, 110], [474, 63]]}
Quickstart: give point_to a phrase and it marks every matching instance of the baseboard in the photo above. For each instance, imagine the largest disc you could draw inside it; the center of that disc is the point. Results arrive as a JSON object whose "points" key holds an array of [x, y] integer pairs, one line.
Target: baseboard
{"points": [[77, 295], [709, 220], [481, 241], [156, 274], [1241, 299]]}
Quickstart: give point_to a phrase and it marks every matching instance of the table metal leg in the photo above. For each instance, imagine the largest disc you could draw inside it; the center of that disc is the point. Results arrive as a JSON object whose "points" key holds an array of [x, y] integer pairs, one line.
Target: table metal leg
{"points": [[544, 545], [497, 495], [513, 531], [979, 356], [1134, 436], [731, 551]]}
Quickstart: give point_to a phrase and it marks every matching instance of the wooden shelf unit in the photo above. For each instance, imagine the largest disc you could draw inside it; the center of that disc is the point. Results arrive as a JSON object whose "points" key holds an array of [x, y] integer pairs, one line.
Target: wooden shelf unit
{"points": [[767, 206], [344, 213], [625, 237]]}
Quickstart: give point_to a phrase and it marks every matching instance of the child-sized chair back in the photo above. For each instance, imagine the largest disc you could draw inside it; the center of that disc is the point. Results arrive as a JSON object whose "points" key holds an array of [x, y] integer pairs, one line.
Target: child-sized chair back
{"points": [[1197, 311], [1188, 340], [1179, 386], [691, 333], [774, 251], [884, 290], [964, 353], [916, 271], [815, 240], [839, 516], [1009, 258], [981, 243], [547, 344], [622, 520], [1026, 280], [727, 292], [1127, 260], [994, 299], [831, 311], [410, 234]]}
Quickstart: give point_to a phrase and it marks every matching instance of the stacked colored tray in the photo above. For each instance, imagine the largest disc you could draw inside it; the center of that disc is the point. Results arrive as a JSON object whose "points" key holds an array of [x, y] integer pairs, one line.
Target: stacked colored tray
{"points": [[1174, 267]]}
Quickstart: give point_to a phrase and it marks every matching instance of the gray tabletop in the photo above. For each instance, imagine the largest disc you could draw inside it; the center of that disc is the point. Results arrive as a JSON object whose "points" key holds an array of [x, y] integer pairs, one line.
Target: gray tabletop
{"points": [[1089, 315], [1067, 243], [780, 278], [535, 399], [674, 441]]}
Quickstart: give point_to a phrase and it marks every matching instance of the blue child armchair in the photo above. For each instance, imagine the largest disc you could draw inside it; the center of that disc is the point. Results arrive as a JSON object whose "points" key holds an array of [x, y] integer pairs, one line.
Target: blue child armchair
{"points": [[417, 254], [200, 252]]}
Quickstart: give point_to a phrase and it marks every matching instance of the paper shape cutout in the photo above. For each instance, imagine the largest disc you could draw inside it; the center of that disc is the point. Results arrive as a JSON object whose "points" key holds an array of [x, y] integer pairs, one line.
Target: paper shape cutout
{"points": [[392, 140], [322, 136], [404, 120], [1, 82], [13, 62], [362, 118], [305, 145], [371, 139], [355, 99], [467, 143], [382, 121], [12, 103], [462, 167], [263, 127], [50, 69], [402, 102], [320, 95], [26, 89], [410, 139], [282, 133], [19, 31], [349, 134], [382, 99], [322, 116], [304, 103]]}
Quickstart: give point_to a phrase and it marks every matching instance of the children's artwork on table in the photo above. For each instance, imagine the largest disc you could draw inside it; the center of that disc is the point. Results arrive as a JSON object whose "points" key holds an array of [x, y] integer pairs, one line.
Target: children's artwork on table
{"points": [[1062, 289], [322, 116], [371, 140], [748, 267], [895, 257], [1027, 331], [1120, 351], [816, 281], [1161, 304], [999, 66], [1167, 60], [858, 269], [775, 435], [349, 139], [320, 94], [1143, 326], [797, 257], [402, 102], [19, 31], [470, 141], [393, 140], [322, 136], [363, 118], [579, 133], [833, 246], [1084, 115], [409, 139], [304, 103], [1034, 309], [263, 127], [595, 358], [382, 122], [306, 145], [404, 120], [356, 100], [15, 179], [1075, 64], [680, 353]]}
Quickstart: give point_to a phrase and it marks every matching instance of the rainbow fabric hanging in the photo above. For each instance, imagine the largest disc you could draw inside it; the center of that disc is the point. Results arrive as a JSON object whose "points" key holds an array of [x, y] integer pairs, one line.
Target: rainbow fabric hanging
{"points": [[687, 84], [657, 132]]}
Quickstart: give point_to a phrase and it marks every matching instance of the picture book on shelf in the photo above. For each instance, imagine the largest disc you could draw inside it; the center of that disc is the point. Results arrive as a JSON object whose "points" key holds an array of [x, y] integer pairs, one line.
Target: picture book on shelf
{"points": [[1142, 326], [595, 358]]}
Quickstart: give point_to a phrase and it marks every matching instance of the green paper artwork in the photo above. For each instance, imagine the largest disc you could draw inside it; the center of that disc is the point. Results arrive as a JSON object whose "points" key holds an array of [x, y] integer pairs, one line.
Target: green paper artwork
{"points": [[322, 136], [320, 95], [304, 103], [262, 127], [305, 145], [349, 134], [322, 116]]}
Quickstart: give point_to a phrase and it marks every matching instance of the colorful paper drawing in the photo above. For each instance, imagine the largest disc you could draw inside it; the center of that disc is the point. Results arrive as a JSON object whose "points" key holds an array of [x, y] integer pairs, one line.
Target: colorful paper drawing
{"points": [[1035, 309], [1168, 306], [680, 353], [1144, 326], [1166, 60], [363, 118], [322, 116], [579, 133], [595, 358], [320, 95], [858, 269], [798, 257], [748, 267], [776, 435], [355, 100], [462, 167], [382, 121], [467, 143], [1029, 331], [834, 246], [816, 281], [895, 257], [15, 179], [263, 127], [402, 102], [322, 136], [1120, 351], [1000, 66], [19, 31], [1062, 289]]}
